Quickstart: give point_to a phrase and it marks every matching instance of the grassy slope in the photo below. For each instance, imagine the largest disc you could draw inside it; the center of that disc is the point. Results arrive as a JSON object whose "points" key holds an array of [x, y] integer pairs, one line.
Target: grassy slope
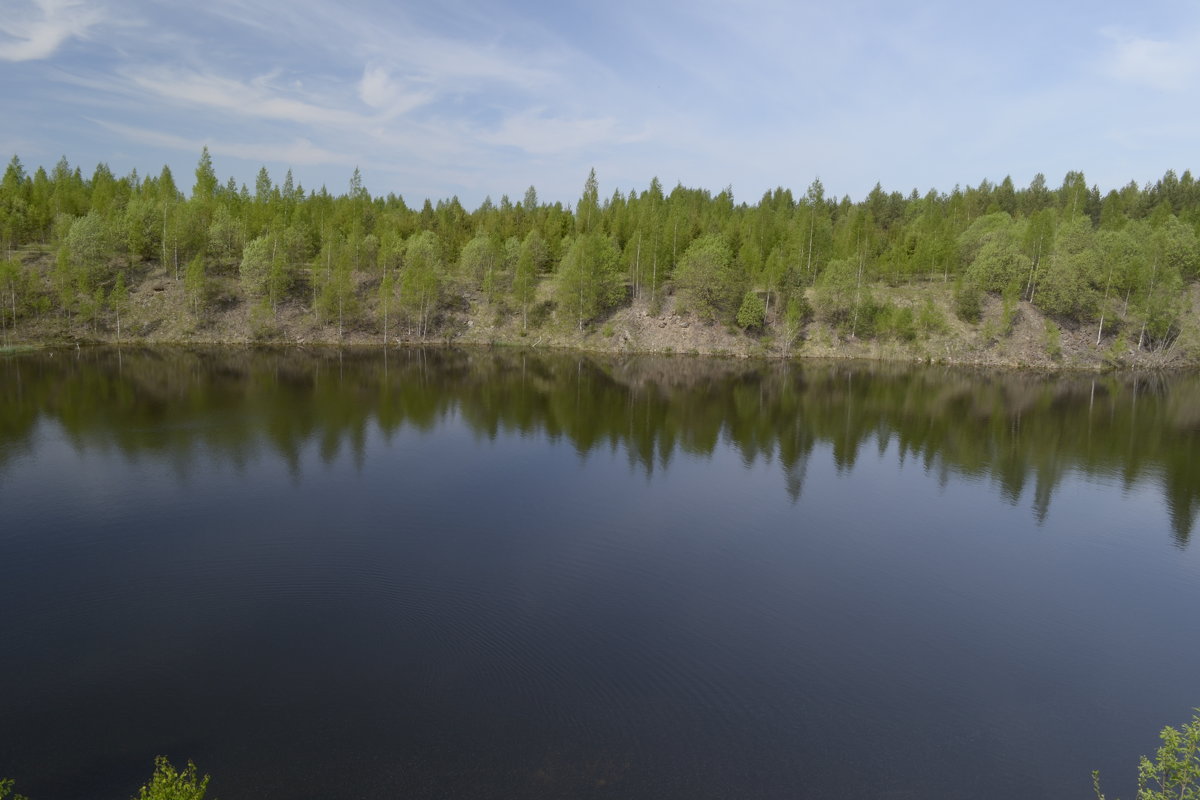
{"points": [[158, 312]]}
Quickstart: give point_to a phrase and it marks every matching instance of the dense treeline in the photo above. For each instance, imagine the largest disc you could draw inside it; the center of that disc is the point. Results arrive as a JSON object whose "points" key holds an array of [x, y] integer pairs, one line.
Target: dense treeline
{"points": [[1121, 261], [1021, 433]]}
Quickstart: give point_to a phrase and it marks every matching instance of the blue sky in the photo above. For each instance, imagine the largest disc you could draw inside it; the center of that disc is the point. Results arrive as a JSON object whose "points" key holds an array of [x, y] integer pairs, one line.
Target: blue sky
{"points": [[485, 98]]}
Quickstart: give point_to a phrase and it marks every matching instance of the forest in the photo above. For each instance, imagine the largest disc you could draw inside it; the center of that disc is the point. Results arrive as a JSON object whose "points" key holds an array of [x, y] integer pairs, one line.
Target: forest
{"points": [[77, 249], [1021, 433]]}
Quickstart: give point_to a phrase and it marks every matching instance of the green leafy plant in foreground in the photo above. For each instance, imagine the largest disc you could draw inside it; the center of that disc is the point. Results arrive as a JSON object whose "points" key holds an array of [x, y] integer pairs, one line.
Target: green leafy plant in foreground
{"points": [[6, 787], [1175, 771], [168, 784]]}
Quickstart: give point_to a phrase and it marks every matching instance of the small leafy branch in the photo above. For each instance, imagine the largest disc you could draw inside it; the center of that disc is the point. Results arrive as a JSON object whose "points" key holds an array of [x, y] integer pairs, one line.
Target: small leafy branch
{"points": [[166, 783], [1174, 774]]}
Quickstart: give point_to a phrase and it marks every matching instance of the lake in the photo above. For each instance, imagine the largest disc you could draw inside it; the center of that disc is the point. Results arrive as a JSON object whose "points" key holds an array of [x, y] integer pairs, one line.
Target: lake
{"points": [[477, 574]]}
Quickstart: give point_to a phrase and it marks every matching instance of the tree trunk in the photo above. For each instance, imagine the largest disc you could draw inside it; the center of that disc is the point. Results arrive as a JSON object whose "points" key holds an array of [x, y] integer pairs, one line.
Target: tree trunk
{"points": [[637, 268], [1107, 287], [1033, 270], [857, 297], [811, 222]]}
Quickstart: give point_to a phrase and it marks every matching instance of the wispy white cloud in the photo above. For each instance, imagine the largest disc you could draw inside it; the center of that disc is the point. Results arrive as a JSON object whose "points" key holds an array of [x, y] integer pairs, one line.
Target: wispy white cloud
{"points": [[479, 98], [32, 31], [257, 97], [456, 63], [538, 132], [379, 90], [1160, 64], [441, 62], [299, 151]]}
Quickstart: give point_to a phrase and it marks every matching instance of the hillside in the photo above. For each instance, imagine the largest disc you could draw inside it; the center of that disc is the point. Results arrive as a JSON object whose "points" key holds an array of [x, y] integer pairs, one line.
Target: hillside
{"points": [[157, 311], [992, 274]]}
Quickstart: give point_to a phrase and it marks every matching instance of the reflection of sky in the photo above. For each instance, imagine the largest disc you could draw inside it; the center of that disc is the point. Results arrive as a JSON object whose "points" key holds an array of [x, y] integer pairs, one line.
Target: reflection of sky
{"points": [[87, 481], [93, 478], [445, 588]]}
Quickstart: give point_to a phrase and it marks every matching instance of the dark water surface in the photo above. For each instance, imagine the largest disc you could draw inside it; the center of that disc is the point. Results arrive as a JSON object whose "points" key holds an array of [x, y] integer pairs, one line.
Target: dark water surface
{"points": [[468, 574]]}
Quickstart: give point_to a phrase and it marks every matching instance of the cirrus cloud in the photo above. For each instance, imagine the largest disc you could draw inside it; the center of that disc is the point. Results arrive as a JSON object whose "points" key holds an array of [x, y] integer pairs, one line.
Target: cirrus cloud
{"points": [[34, 31]]}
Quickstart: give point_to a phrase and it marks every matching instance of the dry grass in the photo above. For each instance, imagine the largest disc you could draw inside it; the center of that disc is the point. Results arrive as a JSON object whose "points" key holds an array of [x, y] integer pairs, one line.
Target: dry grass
{"points": [[159, 312]]}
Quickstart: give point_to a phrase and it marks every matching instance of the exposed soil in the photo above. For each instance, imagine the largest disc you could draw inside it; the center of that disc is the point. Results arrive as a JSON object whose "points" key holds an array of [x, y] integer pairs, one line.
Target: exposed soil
{"points": [[158, 313]]}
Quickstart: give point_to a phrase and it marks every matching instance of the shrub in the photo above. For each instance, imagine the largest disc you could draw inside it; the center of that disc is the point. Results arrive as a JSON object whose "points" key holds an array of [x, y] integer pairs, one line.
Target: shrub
{"points": [[1053, 340], [896, 322], [1010, 308], [968, 301], [168, 784], [540, 312], [707, 279], [1174, 774], [753, 313], [798, 311], [930, 319], [6, 787], [165, 784]]}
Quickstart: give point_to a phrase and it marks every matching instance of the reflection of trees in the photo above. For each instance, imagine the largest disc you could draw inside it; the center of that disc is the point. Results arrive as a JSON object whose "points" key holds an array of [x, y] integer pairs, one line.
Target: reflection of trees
{"points": [[1017, 431]]}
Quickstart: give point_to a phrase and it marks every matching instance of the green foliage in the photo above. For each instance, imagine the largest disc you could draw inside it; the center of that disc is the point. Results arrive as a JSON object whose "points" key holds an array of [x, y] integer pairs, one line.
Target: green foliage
{"points": [[996, 228], [752, 315], [998, 265], [263, 325], [838, 291], [869, 317], [169, 784], [525, 273], [1160, 307], [794, 317], [334, 283], [968, 301], [142, 228], [589, 279], [196, 285], [16, 286], [1052, 340], [387, 297], [1175, 243], [896, 322], [89, 245], [6, 786], [930, 319], [1128, 258], [118, 300], [707, 280], [255, 269], [1174, 774], [1114, 356], [63, 278], [205, 188], [539, 313], [422, 282], [224, 238], [1010, 307], [479, 261], [1066, 284], [774, 272]]}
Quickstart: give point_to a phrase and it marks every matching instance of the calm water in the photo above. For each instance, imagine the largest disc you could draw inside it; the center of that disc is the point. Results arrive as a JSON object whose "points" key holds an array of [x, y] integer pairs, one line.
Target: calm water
{"points": [[466, 574]]}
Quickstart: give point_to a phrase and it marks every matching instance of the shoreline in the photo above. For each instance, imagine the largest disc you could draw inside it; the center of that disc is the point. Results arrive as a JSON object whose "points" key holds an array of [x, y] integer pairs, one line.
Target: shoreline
{"points": [[158, 315], [800, 359]]}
